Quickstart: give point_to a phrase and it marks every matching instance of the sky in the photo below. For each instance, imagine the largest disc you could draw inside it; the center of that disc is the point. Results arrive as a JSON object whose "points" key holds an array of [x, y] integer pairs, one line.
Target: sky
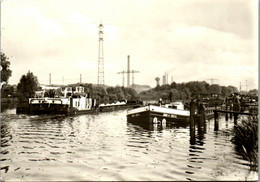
{"points": [[190, 40]]}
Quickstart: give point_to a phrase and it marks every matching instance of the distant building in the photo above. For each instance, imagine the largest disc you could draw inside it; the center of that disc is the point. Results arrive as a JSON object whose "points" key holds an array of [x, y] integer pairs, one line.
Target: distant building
{"points": [[164, 79], [157, 79]]}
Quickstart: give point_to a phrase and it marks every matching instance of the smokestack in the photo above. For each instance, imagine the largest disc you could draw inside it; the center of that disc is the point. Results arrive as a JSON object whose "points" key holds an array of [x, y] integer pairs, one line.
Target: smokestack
{"points": [[128, 71], [80, 79], [50, 79]]}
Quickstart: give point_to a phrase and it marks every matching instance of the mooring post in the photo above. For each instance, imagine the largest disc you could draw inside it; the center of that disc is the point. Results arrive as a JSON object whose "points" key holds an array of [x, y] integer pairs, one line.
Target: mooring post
{"points": [[226, 101], [231, 109], [201, 126], [71, 102], [202, 112], [216, 124], [235, 118], [192, 123], [198, 106]]}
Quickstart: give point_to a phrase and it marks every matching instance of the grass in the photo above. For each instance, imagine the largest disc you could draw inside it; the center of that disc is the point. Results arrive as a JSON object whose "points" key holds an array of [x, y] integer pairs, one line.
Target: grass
{"points": [[246, 140]]}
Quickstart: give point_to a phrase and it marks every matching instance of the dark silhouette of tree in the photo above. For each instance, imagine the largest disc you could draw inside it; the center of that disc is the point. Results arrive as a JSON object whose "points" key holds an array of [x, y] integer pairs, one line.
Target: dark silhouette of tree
{"points": [[112, 97], [214, 89], [225, 91], [232, 89], [27, 86], [5, 71], [180, 91], [253, 92], [7, 91]]}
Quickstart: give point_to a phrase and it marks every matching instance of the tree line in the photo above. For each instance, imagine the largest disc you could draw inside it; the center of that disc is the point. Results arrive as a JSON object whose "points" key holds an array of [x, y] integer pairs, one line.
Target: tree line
{"points": [[29, 84], [104, 94], [182, 91]]}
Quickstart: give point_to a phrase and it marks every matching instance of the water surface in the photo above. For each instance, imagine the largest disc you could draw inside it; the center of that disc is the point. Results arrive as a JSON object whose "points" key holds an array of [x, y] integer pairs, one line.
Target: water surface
{"points": [[105, 147]]}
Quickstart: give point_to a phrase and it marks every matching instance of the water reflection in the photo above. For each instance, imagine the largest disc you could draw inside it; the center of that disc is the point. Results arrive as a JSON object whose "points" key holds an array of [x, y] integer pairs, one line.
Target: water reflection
{"points": [[7, 106], [147, 125]]}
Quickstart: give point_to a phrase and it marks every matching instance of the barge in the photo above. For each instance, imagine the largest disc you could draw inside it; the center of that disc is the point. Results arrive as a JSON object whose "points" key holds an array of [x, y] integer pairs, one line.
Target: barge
{"points": [[70, 103], [153, 114]]}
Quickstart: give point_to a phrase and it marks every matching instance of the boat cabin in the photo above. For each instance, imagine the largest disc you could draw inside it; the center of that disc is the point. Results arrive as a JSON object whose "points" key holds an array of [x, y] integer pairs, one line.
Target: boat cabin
{"points": [[67, 98], [175, 105]]}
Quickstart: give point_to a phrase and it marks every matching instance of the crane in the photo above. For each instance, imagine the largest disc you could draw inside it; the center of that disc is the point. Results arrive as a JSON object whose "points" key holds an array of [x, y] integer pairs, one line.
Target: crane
{"points": [[133, 72], [123, 77]]}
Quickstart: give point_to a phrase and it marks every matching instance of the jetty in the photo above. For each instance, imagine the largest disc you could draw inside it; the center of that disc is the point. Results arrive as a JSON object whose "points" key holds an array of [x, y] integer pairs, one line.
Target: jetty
{"points": [[232, 107]]}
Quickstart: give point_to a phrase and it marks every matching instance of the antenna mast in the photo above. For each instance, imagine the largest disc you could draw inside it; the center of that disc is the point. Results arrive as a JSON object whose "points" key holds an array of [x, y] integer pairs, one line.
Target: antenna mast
{"points": [[101, 79]]}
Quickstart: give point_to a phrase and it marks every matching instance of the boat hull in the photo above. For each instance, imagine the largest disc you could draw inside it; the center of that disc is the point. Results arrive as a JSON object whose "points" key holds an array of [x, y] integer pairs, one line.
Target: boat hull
{"points": [[155, 114], [62, 109], [52, 109]]}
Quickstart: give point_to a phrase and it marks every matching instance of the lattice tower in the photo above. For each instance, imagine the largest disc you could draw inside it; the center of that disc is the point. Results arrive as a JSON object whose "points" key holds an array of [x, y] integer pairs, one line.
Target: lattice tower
{"points": [[101, 79]]}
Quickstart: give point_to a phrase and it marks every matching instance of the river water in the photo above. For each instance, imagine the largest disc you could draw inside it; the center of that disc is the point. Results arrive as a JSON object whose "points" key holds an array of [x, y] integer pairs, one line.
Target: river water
{"points": [[105, 147]]}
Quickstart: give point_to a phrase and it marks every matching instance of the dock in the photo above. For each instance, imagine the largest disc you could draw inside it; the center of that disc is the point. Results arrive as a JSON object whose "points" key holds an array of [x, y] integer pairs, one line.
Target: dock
{"points": [[199, 113]]}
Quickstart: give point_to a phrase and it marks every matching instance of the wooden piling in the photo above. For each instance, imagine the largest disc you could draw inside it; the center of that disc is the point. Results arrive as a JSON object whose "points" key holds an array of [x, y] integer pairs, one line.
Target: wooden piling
{"points": [[192, 113], [235, 119], [226, 101], [192, 123], [226, 116], [201, 118], [201, 126], [202, 112], [231, 109], [216, 121]]}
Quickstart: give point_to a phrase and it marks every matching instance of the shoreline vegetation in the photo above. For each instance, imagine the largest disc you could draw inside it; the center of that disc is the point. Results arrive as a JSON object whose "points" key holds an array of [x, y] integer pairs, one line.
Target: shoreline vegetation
{"points": [[246, 141]]}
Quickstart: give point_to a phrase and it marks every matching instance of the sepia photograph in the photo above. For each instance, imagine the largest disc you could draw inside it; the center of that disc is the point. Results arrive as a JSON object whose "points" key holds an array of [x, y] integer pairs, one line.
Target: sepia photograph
{"points": [[129, 90]]}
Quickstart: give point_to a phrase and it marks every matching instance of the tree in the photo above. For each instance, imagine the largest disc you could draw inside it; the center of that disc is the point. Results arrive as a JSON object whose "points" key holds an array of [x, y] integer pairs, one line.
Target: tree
{"points": [[175, 94], [5, 71], [214, 89], [27, 86], [113, 98], [232, 89], [253, 92], [120, 96], [7, 91], [187, 92]]}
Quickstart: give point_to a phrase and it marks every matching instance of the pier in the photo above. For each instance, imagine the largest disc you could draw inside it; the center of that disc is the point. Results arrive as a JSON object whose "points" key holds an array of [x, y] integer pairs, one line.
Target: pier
{"points": [[199, 113]]}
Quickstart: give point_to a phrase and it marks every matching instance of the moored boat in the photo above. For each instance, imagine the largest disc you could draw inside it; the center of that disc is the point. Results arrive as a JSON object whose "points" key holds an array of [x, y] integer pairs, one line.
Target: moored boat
{"points": [[72, 102], [69, 102], [118, 105], [168, 113], [113, 106]]}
